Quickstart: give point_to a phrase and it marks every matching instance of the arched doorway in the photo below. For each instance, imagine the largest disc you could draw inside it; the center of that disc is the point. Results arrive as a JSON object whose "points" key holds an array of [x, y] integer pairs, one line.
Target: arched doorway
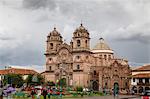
{"points": [[62, 82], [116, 88], [95, 85]]}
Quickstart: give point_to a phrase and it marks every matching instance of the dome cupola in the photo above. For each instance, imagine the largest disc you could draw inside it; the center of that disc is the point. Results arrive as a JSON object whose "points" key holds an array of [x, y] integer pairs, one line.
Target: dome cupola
{"points": [[81, 31], [55, 32], [54, 35], [102, 46]]}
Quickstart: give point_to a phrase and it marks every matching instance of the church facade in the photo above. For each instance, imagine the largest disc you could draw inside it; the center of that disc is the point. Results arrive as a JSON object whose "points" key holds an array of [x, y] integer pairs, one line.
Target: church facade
{"points": [[96, 68]]}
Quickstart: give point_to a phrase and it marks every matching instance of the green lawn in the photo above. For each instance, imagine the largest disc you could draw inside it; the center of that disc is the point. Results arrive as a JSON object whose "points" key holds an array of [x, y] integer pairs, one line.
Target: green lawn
{"points": [[73, 95]]}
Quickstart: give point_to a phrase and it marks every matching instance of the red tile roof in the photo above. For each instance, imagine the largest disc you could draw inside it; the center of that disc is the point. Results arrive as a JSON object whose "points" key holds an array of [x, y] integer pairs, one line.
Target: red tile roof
{"points": [[143, 68], [17, 71], [142, 75]]}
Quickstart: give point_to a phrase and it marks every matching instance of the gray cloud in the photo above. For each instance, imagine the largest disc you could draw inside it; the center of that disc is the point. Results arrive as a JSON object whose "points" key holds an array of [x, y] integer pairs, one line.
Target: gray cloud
{"points": [[36, 4], [17, 56], [6, 38], [136, 32], [136, 37], [124, 24]]}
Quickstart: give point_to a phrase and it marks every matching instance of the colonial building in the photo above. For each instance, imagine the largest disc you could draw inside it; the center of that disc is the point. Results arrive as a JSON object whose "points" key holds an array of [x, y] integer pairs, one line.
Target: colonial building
{"points": [[140, 81], [80, 65], [17, 70]]}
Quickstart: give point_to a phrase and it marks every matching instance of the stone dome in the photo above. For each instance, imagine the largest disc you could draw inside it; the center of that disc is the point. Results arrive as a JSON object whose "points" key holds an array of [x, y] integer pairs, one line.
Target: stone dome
{"points": [[102, 46]]}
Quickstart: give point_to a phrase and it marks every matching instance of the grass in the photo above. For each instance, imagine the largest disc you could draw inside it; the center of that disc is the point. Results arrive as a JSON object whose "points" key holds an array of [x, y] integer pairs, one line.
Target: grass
{"points": [[73, 95]]}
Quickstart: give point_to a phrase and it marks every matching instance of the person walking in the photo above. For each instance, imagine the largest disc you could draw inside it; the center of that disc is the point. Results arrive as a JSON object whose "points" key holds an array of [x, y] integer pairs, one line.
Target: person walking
{"points": [[44, 93], [33, 93], [1, 91]]}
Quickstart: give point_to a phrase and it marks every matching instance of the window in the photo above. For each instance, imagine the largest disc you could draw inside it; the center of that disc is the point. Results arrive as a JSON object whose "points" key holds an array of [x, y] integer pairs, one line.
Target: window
{"points": [[78, 34], [78, 57], [78, 43], [50, 68], [140, 80], [78, 66], [109, 57], [133, 79], [50, 59], [126, 84], [100, 56], [51, 45], [105, 57], [94, 72], [146, 80], [86, 43], [87, 57]]}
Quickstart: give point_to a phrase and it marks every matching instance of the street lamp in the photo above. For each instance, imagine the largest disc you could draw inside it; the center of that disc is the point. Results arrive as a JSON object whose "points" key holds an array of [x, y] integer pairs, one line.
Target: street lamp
{"points": [[89, 83], [60, 80]]}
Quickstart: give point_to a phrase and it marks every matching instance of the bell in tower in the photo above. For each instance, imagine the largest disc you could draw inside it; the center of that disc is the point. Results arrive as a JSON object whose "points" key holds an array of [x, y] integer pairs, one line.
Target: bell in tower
{"points": [[81, 40], [54, 39]]}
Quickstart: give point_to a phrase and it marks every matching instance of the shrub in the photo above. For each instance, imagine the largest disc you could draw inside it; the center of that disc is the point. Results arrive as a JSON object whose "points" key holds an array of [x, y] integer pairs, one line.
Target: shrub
{"points": [[79, 89]]}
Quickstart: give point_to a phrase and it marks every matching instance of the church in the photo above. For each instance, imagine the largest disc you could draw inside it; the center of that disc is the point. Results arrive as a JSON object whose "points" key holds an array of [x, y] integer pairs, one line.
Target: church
{"points": [[96, 68]]}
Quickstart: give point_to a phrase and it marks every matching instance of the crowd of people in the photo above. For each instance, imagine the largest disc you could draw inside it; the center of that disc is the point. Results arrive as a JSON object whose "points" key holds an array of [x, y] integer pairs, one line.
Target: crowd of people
{"points": [[45, 91]]}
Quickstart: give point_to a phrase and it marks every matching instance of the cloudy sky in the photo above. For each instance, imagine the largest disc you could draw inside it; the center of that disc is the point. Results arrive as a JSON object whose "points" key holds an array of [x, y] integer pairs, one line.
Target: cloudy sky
{"points": [[24, 25]]}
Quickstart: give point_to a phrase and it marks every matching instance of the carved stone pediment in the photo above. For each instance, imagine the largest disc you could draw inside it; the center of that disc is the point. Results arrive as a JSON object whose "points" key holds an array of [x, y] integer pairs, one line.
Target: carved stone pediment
{"points": [[64, 55], [64, 45]]}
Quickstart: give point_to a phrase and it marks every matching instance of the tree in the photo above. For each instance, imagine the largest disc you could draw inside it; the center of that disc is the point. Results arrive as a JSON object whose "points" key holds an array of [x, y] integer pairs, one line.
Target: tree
{"points": [[50, 83], [62, 82], [30, 81], [14, 79]]}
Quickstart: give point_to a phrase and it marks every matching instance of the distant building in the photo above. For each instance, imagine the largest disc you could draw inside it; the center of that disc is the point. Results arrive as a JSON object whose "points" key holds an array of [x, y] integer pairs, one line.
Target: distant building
{"points": [[13, 70], [79, 65], [140, 79]]}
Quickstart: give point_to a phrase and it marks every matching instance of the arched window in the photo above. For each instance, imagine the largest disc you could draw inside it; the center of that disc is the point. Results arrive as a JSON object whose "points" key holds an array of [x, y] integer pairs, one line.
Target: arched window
{"points": [[147, 80], [50, 59], [78, 34], [78, 57], [78, 43], [94, 72], [50, 68], [78, 66], [109, 57], [51, 45], [105, 57], [86, 45]]}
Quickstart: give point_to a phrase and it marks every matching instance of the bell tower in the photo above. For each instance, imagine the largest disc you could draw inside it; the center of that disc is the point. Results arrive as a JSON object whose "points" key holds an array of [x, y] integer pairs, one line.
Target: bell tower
{"points": [[54, 39], [81, 55], [81, 40]]}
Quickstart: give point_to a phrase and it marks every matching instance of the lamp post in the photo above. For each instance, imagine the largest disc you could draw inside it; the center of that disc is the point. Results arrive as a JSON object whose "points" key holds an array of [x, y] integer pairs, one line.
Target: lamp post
{"points": [[88, 80], [60, 80]]}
